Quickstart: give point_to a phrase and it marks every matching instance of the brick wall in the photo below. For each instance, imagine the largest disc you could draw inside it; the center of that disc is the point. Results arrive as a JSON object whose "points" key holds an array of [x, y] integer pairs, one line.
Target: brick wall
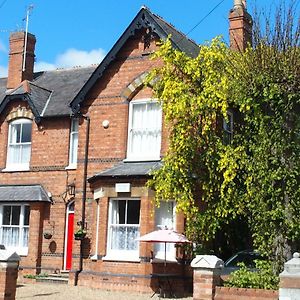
{"points": [[49, 157]]}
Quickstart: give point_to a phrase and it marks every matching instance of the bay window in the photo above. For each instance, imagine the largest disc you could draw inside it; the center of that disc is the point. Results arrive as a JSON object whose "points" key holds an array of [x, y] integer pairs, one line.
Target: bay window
{"points": [[19, 144], [123, 229], [14, 227], [144, 130]]}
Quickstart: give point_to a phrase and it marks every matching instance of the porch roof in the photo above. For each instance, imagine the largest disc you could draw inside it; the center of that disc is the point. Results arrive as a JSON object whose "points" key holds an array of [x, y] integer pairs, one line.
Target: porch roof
{"points": [[129, 169], [23, 193]]}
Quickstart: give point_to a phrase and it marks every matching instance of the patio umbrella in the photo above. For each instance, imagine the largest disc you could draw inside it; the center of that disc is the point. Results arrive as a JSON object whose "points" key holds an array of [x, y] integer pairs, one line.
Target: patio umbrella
{"points": [[164, 236]]}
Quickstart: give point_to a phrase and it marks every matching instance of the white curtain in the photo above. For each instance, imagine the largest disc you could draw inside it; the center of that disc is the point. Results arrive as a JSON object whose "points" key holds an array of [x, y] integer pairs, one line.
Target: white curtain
{"points": [[146, 129]]}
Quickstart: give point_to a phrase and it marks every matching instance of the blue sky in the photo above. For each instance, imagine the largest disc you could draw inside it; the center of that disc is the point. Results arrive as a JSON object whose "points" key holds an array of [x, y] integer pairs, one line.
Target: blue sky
{"points": [[71, 33]]}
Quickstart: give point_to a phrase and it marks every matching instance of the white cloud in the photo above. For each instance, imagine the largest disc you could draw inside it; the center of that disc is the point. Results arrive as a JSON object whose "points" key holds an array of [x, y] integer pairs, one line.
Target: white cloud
{"points": [[72, 57]]}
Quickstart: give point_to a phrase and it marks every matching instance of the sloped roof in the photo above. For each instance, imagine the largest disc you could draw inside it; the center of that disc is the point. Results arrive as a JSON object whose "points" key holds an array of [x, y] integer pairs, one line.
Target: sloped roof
{"points": [[23, 193], [60, 92], [127, 169], [50, 93], [144, 19]]}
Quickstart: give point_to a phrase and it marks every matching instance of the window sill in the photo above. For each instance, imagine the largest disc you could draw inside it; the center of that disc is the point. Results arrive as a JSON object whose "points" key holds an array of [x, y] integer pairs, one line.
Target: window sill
{"points": [[121, 257], [71, 167], [16, 169], [136, 159]]}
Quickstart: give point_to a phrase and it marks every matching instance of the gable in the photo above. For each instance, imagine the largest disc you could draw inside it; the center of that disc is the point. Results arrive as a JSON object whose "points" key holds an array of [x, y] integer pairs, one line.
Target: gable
{"points": [[155, 26]]}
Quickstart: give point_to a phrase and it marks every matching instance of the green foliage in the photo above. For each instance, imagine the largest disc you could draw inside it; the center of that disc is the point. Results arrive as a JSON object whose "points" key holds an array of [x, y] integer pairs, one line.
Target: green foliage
{"points": [[256, 176], [32, 276], [262, 278]]}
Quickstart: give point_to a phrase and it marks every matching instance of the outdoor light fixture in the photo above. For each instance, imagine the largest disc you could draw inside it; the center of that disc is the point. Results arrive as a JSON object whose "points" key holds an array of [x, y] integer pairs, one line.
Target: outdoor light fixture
{"points": [[71, 189]]}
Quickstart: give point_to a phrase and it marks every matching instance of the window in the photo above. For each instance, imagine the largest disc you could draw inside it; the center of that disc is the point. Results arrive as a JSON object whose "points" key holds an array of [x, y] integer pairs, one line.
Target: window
{"points": [[123, 229], [19, 144], [228, 128], [14, 227], [73, 143], [165, 219], [144, 136]]}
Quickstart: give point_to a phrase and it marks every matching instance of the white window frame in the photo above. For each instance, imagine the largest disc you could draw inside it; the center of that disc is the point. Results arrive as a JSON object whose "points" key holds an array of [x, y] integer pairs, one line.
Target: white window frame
{"points": [[121, 255], [73, 146], [17, 166], [159, 248], [146, 156], [21, 250], [228, 126]]}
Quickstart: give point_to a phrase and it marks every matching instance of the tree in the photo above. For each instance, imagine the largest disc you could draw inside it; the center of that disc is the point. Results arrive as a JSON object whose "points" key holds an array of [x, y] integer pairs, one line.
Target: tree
{"points": [[255, 176]]}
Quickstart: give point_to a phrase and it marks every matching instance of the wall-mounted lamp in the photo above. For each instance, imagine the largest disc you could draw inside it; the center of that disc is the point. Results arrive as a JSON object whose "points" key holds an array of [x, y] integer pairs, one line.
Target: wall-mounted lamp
{"points": [[71, 189]]}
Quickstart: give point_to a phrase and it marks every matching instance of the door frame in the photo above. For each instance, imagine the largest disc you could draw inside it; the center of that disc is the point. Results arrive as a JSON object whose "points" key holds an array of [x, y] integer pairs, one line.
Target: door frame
{"points": [[68, 211]]}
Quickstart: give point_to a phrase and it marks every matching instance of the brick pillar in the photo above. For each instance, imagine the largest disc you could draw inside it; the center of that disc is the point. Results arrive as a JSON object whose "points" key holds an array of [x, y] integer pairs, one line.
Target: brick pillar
{"points": [[9, 263], [289, 287], [207, 270]]}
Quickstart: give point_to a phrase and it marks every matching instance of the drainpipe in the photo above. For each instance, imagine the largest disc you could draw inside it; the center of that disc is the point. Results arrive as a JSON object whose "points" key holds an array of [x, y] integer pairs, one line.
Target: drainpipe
{"points": [[86, 153]]}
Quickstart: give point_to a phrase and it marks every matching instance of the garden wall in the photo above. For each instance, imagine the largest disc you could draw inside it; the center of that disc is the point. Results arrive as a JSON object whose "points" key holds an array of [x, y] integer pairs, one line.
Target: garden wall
{"points": [[230, 293]]}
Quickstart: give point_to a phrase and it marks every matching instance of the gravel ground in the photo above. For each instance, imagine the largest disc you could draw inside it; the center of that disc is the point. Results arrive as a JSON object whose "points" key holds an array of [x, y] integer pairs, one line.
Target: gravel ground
{"points": [[67, 292]]}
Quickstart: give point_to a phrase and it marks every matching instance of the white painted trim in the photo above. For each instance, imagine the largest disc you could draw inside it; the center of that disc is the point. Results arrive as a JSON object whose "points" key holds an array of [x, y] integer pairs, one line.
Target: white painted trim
{"points": [[66, 232], [95, 256], [129, 155]]}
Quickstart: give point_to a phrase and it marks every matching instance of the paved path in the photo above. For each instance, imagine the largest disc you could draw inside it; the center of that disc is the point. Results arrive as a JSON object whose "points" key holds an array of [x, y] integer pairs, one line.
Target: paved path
{"points": [[67, 292]]}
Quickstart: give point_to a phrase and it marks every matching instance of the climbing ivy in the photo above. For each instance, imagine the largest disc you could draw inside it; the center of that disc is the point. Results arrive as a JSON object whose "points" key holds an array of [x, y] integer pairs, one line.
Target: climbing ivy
{"points": [[257, 174]]}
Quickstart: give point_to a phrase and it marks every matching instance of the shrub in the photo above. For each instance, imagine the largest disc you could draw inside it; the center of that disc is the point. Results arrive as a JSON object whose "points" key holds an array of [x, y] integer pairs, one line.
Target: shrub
{"points": [[262, 278]]}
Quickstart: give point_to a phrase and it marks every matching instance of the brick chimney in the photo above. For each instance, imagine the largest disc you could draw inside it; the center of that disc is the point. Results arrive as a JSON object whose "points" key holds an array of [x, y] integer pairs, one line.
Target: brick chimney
{"points": [[20, 69], [240, 29]]}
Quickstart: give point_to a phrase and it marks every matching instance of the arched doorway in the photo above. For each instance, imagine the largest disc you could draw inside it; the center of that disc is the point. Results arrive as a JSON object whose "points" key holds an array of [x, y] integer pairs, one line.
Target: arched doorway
{"points": [[69, 236]]}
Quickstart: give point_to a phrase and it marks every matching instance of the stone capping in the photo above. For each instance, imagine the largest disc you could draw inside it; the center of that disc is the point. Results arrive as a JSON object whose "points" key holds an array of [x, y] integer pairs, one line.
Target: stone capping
{"points": [[207, 262], [292, 267], [9, 256]]}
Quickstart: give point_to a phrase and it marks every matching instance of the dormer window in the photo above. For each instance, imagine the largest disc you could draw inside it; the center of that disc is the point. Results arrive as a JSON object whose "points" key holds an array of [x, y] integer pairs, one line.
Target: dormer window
{"points": [[19, 145], [144, 130], [73, 149]]}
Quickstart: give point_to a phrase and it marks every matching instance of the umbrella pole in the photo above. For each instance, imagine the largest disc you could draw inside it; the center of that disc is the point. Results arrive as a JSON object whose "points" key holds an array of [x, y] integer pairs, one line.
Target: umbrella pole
{"points": [[165, 255]]}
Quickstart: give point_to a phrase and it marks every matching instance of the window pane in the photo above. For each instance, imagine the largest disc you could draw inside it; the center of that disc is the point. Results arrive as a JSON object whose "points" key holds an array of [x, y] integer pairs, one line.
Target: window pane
{"points": [[15, 220], [10, 236], [124, 237], [26, 215], [121, 207], [133, 212], [15, 133], [6, 215], [25, 237], [145, 130], [26, 133]]}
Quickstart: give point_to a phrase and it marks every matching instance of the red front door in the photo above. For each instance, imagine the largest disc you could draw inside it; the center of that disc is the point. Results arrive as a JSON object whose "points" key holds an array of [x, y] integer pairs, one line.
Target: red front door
{"points": [[70, 235]]}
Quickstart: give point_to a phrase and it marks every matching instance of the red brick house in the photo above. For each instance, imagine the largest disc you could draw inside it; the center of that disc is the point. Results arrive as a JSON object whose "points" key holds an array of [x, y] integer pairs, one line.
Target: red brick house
{"points": [[77, 147]]}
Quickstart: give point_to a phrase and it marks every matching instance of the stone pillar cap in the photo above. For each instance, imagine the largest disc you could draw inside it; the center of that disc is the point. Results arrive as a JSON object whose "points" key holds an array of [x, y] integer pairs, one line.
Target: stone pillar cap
{"points": [[292, 266], [9, 256], [207, 262]]}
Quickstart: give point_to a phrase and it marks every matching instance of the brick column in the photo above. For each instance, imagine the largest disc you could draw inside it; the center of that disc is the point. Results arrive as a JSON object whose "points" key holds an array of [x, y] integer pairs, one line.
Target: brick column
{"points": [[289, 288], [207, 270], [9, 263]]}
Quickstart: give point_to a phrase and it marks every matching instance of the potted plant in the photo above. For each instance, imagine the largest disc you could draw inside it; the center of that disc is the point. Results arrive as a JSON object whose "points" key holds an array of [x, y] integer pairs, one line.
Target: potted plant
{"points": [[80, 234], [47, 235]]}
